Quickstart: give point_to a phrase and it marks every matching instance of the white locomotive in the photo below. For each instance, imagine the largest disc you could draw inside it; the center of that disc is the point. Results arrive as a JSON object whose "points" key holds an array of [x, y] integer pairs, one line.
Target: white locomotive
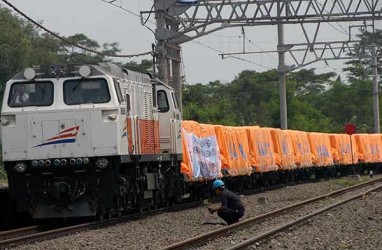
{"points": [[82, 140]]}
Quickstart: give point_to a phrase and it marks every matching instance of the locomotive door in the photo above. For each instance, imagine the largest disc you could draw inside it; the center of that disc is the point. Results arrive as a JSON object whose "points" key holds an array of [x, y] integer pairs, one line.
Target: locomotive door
{"points": [[130, 125], [169, 121], [177, 126]]}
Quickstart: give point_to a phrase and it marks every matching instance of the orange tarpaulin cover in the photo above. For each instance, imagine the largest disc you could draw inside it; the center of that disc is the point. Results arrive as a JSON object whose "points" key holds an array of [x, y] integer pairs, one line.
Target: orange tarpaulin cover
{"points": [[341, 148], [321, 149], [368, 147], [262, 155], [355, 150], [283, 145], [210, 148], [376, 148], [301, 146], [234, 150], [363, 148]]}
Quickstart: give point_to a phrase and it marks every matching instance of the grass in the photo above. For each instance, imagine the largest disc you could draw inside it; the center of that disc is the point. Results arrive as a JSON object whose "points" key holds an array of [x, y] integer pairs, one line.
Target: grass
{"points": [[3, 182], [349, 181], [3, 176]]}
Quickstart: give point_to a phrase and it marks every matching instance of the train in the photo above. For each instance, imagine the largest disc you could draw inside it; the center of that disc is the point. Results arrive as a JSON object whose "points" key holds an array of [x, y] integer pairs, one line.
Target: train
{"points": [[99, 140], [87, 140]]}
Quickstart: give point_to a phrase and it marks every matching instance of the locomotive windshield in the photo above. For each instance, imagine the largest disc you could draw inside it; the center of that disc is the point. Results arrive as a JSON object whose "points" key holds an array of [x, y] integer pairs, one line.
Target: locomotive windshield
{"points": [[31, 94], [82, 91]]}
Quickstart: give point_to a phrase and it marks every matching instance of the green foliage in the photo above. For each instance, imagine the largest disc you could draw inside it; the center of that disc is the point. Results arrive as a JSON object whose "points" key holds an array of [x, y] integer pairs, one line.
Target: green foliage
{"points": [[360, 69], [253, 99], [3, 175], [349, 181], [144, 67], [359, 92]]}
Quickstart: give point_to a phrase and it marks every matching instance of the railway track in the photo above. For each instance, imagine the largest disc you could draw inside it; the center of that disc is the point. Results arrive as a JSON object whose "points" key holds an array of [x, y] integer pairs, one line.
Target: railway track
{"points": [[4, 235], [21, 227], [39, 233], [32, 234], [36, 233], [210, 239]]}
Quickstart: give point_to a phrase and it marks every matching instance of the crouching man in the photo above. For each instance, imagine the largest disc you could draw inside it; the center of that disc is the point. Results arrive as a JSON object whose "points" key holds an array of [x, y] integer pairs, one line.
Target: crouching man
{"points": [[231, 208]]}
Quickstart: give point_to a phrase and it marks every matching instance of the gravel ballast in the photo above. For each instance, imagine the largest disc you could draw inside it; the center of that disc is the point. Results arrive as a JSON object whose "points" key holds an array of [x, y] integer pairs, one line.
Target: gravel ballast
{"points": [[161, 230], [355, 225]]}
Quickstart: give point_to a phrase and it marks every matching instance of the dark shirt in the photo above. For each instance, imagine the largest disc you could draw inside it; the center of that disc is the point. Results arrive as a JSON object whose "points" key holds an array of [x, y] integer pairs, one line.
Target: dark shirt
{"points": [[230, 200]]}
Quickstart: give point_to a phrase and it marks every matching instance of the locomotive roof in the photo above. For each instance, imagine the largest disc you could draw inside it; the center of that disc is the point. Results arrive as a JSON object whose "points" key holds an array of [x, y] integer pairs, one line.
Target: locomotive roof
{"points": [[103, 68], [72, 70]]}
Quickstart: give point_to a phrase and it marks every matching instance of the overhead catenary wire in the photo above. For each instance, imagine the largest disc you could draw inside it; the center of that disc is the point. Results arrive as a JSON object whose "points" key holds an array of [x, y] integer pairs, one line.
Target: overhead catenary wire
{"points": [[343, 31], [133, 13], [235, 57], [66, 40], [206, 46], [121, 7], [260, 48]]}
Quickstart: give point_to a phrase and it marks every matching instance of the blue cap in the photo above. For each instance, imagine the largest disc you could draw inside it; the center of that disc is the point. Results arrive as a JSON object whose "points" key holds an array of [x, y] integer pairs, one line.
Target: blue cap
{"points": [[217, 184]]}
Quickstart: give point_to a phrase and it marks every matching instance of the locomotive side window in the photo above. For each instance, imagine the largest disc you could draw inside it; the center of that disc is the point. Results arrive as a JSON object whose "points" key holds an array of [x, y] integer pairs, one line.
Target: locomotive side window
{"points": [[31, 94], [162, 101], [82, 91], [154, 95], [118, 90], [128, 103], [175, 100]]}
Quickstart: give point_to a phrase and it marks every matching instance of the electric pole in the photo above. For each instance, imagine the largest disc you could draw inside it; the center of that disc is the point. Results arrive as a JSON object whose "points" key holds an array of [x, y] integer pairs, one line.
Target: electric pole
{"points": [[282, 70], [375, 89], [168, 52]]}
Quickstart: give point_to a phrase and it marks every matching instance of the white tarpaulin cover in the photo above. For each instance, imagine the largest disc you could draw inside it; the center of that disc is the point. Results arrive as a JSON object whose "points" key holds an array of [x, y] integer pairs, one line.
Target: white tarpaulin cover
{"points": [[204, 156]]}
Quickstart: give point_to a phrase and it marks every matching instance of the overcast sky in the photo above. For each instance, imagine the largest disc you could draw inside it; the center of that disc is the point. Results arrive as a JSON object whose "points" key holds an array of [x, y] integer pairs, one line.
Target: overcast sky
{"points": [[106, 24]]}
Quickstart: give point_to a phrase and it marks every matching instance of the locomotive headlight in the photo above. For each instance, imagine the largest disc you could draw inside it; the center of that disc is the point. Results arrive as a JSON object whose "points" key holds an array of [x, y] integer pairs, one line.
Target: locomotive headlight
{"points": [[72, 161], [79, 161], [84, 71], [41, 163], [20, 167], [56, 162], [85, 161], [102, 163], [34, 163], [29, 73]]}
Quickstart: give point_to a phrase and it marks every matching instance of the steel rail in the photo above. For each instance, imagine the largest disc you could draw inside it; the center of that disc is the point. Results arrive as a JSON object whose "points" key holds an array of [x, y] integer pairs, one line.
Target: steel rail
{"points": [[299, 220], [245, 223], [9, 233], [81, 227]]}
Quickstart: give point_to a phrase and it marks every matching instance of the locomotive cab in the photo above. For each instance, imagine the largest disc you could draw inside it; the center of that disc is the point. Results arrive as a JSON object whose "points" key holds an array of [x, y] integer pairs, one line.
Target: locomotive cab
{"points": [[170, 117], [85, 140]]}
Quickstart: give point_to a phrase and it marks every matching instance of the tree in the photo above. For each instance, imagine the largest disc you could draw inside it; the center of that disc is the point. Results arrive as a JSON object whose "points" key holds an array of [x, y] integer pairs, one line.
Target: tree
{"points": [[359, 78], [360, 69], [144, 67]]}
